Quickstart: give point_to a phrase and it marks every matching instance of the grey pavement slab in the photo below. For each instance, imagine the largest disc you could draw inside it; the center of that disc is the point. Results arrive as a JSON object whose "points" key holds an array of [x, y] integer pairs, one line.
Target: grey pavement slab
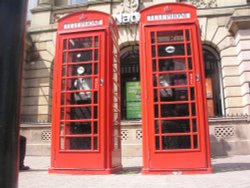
{"points": [[233, 171]]}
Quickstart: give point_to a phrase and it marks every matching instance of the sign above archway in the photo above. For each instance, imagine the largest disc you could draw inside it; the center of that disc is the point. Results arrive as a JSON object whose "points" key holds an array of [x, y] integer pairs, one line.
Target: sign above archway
{"points": [[129, 13]]}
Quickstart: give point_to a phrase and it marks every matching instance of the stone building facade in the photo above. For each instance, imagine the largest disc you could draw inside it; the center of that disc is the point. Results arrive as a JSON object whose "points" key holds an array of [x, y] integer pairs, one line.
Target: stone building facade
{"points": [[225, 34]]}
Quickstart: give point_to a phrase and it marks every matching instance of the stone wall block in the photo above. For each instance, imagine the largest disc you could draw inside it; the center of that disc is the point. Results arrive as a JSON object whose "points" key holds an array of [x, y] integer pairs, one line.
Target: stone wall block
{"points": [[37, 91], [40, 19], [229, 61], [226, 42], [46, 56], [244, 66], [232, 91], [233, 111], [220, 35], [230, 71], [223, 3], [245, 88], [38, 65], [38, 82], [242, 35], [213, 26], [246, 99], [42, 73], [233, 102], [42, 36], [36, 109], [231, 81], [203, 26], [40, 100], [243, 45], [230, 51]]}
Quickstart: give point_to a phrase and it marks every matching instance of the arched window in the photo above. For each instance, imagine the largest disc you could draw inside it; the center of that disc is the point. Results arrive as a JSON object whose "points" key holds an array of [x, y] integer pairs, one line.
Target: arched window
{"points": [[214, 89], [130, 83]]}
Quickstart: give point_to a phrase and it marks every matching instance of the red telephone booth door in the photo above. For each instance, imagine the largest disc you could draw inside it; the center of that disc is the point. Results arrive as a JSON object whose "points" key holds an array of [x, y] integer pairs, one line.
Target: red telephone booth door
{"points": [[85, 124], [78, 138], [175, 135]]}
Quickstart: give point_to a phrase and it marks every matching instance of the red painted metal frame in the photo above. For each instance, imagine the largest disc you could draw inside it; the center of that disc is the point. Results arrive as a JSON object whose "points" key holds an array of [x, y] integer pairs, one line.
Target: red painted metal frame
{"points": [[105, 157], [185, 161]]}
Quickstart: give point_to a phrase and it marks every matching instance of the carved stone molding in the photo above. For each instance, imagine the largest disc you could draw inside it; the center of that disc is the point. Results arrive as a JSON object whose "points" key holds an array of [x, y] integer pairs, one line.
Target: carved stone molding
{"points": [[130, 6], [204, 3]]}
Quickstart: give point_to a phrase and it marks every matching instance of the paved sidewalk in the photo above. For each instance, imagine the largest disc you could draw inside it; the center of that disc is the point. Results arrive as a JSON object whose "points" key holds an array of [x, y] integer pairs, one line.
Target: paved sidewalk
{"points": [[228, 172]]}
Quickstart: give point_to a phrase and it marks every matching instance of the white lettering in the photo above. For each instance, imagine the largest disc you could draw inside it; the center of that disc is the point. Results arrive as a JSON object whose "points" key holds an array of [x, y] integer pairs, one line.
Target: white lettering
{"points": [[176, 16], [127, 18], [82, 24]]}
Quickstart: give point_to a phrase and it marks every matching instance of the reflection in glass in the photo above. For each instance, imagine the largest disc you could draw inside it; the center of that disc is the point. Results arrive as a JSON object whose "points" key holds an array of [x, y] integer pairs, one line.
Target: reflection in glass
{"points": [[80, 113], [77, 70], [153, 51], [62, 114], [81, 56], [65, 44], [188, 49], [80, 143], [64, 57], [95, 97], [163, 50], [176, 142], [166, 65], [96, 55], [157, 125], [193, 109], [80, 43], [95, 143], [187, 35], [62, 145], [154, 65], [195, 141], [95, 112], [171, 79], [172, 64], [80, 128], [190, 64], [156, 98], [192, 93], [96, 42], [180, 94], [175, 126], [194, 125], [95, 127], [152, 37], [170, 36], [174, 110], [157, 142]]}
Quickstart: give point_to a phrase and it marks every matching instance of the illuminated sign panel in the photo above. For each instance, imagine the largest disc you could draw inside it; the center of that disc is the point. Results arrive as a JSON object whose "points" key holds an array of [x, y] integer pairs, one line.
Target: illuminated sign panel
{"points": [[174, 16], [83, 24]]}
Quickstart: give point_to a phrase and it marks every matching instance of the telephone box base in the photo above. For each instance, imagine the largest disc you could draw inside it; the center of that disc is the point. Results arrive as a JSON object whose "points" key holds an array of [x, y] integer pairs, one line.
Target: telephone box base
{"points": [[177, 171], [77, 171]]}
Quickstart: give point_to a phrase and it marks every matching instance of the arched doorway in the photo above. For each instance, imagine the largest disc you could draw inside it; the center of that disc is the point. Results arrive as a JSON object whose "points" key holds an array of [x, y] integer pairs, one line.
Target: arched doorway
{"points": [[130, 83], [213, 81]]}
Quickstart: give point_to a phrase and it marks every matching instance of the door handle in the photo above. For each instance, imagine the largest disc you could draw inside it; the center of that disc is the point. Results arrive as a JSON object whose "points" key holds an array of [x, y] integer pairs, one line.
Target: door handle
{"points": [[101, 82], [197, 77]]}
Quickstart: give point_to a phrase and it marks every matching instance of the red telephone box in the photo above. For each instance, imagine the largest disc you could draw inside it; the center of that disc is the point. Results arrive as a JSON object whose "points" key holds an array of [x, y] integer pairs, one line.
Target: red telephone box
{"points": [[174, 116], [86, 96]]}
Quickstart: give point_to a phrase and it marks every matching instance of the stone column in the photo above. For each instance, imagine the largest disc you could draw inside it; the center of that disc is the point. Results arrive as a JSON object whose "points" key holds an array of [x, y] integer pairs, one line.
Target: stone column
{"points": [[239, 26]]}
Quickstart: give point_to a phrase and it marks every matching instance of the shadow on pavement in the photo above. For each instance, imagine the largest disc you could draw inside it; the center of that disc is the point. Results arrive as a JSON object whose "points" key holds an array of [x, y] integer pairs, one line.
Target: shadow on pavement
{"points": [[229, 167], [130, 170]]}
